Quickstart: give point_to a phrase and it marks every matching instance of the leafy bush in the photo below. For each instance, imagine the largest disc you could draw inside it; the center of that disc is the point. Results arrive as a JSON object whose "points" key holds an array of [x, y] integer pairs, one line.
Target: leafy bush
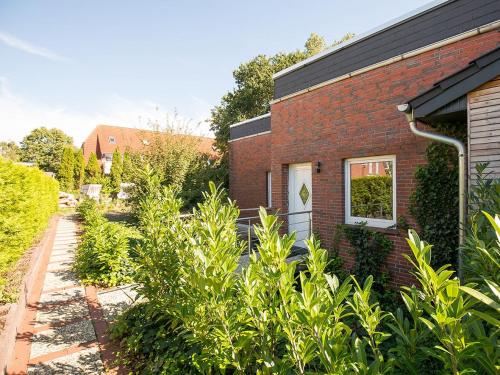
{"points": [[103, 256], [28, 199], [370, 249], [265, 319], [481, 255], [434, 204], [151, 343]]}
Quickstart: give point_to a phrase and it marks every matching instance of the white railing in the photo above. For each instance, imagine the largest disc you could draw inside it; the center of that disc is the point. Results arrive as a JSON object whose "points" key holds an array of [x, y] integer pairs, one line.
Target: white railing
{"points": [[302, 220]]}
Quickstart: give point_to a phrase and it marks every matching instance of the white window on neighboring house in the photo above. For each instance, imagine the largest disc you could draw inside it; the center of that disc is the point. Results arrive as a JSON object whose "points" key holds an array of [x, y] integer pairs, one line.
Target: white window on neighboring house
{"points": [[269, 190], [111, 140], [106, 165], [145, 142], [371, 192]]}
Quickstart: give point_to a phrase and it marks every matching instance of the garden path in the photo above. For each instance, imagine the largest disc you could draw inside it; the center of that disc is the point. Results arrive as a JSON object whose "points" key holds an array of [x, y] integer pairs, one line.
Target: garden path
{"points": [[64, 328]]}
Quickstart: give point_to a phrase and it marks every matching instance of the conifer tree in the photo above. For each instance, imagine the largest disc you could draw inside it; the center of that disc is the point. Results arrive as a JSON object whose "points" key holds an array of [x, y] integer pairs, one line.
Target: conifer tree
{"points": [[66, 169], [92, 170], [116, 171], [127, 167], [79, 168]]}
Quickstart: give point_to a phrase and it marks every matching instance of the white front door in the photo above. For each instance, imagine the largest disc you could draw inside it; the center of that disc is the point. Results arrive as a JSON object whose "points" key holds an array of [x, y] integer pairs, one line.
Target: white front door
{"points": [[299, 199]]}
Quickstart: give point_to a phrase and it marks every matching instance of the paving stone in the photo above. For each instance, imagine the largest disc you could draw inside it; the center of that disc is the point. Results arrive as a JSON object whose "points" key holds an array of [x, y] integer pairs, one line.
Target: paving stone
{"points": [[59, 253], [54, 266], [59, 279], [62, 313], [113, 302], [62, 295], [64, 245], [62, 258], [61, 338], [87, 361]]}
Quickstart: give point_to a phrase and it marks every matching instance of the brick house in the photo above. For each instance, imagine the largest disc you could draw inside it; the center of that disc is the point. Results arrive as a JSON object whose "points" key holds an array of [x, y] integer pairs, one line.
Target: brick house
{"points": [[334, 118], [105, 139]]}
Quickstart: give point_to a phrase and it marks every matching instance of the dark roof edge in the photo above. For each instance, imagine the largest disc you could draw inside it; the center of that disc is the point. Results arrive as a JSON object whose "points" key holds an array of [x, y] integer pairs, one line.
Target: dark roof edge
{"points": [[385, 26], [478, 72]]}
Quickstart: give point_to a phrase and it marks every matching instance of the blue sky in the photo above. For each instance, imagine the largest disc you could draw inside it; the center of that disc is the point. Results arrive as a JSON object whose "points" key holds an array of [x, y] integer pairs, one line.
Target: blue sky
{"points": [[74, 64]]}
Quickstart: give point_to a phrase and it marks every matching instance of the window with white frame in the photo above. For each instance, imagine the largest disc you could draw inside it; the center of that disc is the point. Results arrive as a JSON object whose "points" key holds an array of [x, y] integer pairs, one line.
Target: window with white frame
{"points": [[111, 140], [268, 189], [370, 185]]}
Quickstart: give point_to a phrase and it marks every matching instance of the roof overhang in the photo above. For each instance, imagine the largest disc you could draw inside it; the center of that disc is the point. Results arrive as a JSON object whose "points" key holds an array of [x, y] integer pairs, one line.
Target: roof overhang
{"points": [[447, 99]]}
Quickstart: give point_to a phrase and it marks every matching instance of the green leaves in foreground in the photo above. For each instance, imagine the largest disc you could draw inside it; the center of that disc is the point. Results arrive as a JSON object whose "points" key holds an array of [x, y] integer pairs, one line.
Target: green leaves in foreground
{"points": [[274, 315]]}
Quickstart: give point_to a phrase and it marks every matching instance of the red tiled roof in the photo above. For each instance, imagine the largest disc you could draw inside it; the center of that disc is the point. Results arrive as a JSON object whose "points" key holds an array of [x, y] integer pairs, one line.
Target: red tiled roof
{"points": [[129, 139]]}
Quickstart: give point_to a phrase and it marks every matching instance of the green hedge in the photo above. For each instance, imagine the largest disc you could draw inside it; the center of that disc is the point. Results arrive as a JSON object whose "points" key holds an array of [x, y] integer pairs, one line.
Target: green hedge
{"points": [[28, 198], [371, 196]]}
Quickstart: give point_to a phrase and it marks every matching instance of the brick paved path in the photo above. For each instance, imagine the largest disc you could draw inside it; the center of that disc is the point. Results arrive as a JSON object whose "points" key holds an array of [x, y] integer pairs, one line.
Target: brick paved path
{"points": [[64, 330]]}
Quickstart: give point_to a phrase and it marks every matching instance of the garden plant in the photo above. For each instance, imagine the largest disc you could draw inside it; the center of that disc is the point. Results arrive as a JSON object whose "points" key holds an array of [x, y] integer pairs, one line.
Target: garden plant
{"points": [[204, 313], [104, 255]]}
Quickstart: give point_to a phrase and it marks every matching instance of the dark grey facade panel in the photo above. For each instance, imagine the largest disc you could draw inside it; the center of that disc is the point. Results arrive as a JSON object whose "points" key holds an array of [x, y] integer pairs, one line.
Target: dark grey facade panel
{"points": [[445, 21], [257, 126], [382, 48]]}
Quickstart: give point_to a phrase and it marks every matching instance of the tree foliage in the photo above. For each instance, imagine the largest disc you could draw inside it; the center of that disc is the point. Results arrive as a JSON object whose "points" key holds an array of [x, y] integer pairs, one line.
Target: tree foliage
{"points": [[116, 171], [255, 87], [93, 171], [10, 151], [79, 168], [127, 167], [66, 172], [45, 147]]}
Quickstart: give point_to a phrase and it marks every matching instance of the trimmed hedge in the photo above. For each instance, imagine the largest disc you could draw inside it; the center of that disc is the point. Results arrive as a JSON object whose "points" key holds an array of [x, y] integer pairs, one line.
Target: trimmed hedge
{"points": [[371, 196], [28, 198]]}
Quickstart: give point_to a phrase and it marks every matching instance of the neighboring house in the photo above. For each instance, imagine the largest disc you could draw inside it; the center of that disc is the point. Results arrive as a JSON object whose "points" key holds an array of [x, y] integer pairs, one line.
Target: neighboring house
{"points": [[105, 139], [334, 121]]}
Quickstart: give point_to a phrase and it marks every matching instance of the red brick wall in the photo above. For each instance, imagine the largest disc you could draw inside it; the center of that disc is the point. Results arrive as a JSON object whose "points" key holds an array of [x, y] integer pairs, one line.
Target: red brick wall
{"points": [[249, 160], [357, 117]]}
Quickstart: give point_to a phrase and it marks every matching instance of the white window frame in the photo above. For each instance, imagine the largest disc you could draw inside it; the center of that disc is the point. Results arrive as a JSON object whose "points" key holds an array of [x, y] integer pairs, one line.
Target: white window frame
{"points": [[112, 140], [379, 223], [269, 189]]}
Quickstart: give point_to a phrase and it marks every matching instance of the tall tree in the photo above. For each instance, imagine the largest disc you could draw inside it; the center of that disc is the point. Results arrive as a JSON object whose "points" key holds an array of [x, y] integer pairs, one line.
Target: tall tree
{"points": [[79, 168], [127, 167], [9, 150], [92, 170], [66, 169], [255, 86], [116, 171], [45, 147]]}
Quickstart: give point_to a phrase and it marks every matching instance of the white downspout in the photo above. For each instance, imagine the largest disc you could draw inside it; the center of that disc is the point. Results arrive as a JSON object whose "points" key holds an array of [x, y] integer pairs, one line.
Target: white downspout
{"points": [[407, 110]]}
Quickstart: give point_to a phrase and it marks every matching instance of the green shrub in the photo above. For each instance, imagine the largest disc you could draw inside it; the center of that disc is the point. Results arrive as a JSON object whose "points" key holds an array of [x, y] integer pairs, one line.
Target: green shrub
{"points": [[89, 211], [371, 196], [103, 256], [481, 256], [266, 320], [151, 343], [28, 198]]}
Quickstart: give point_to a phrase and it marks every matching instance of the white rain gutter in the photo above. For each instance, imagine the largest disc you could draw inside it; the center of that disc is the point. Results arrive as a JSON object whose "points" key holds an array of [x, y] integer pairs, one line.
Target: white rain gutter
{"points": [[408, 111]]}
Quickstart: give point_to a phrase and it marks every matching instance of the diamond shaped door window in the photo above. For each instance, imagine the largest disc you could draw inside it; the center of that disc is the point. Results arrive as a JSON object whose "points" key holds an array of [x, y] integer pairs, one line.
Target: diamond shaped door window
{"points": [[304, 194]]}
